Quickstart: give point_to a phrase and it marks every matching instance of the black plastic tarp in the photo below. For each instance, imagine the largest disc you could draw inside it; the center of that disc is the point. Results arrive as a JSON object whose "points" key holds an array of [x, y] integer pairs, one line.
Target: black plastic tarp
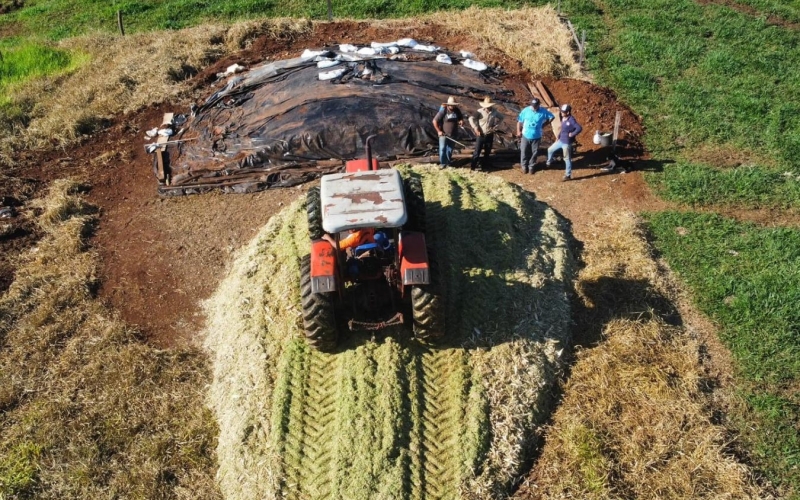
{"points": [[279, 123]]}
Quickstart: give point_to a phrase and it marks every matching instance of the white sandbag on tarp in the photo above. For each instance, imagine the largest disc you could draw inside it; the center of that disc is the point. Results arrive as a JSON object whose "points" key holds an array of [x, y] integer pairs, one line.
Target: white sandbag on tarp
{"points": [[234, 68], [310, 54], [350, 57], [407, 42], [444, 59], [346, 47], [391, 50], [368, 51], [328, 63], [330, 75], [426, 48], [382, 45], [467, 54], [476, 65]]}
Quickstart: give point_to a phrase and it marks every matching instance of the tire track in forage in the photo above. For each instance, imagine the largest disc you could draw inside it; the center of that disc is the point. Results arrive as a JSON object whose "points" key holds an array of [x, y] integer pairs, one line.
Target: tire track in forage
{"points": [[305, 408], [443, 388]]}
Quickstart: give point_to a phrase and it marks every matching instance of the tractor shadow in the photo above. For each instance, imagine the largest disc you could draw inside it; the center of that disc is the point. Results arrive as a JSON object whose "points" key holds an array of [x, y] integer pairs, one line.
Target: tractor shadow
{"points": [[487, 250]]}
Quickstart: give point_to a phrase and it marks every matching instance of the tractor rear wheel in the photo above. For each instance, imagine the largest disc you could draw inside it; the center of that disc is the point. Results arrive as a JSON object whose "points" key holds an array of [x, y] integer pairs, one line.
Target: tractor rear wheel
{"points": [[415, 204], [427, 306], [319, 319], [314, 210]]}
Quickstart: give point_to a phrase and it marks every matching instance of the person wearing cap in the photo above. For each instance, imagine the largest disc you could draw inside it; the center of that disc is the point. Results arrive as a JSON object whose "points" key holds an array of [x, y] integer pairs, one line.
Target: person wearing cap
{"points": [[446, 123], [570, 128], [484, 123], [529, 130]]}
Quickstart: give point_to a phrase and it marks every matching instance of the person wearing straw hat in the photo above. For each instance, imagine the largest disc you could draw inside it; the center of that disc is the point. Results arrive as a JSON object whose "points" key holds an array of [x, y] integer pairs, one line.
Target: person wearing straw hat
{"points": [[446, 123], [484, 123], [529, 130]]}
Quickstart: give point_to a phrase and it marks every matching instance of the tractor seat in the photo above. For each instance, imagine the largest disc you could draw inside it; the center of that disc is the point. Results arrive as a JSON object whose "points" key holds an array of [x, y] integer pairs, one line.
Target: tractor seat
{"points": [[382, 244]]}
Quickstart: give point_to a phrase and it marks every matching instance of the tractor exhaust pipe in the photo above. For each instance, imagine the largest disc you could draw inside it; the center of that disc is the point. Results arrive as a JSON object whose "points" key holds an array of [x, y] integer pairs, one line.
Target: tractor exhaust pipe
{"points": [[368, 144]]}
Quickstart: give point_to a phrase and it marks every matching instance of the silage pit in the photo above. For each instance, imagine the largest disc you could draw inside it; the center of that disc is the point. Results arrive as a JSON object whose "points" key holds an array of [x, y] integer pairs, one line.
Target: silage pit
{"points": [[388, 417], [288, 121]]}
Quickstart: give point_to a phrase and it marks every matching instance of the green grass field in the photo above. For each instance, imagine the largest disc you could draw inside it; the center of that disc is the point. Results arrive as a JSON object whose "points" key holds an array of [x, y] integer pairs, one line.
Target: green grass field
{"points": [[711, 77], [704, 75], [747, 279]]}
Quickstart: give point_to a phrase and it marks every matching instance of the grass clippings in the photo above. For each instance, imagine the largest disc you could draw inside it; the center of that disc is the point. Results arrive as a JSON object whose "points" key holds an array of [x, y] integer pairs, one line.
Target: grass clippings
{"points": [[387, 416], [87, 410]]}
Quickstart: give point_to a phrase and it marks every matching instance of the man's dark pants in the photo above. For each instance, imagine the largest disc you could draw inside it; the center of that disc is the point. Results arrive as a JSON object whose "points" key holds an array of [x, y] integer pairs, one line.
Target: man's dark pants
{"points": [[482, 142], [528, 149]]}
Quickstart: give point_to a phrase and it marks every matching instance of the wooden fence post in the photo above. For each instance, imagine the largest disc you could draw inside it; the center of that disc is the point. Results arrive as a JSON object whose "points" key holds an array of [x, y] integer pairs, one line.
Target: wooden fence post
{"points": [[583, 46], [119, 23], [330, 11]]}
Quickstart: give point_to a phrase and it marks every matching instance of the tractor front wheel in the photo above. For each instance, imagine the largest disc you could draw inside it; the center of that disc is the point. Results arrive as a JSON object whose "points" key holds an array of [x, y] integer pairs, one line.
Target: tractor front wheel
{"points": [[319, 319], [314, 210], [415, 204]]}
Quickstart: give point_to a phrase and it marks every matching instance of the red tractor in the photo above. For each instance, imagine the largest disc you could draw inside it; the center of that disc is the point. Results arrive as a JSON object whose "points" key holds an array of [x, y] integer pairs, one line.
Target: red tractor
{"points": [[369, 261]]}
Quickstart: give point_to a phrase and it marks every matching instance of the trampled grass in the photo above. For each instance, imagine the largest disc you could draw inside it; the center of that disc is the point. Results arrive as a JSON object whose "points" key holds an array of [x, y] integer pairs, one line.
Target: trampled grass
{"points": [[87, 410], [386, 416], [702, 74], [748, 280], [788, 11], [743, 186]]}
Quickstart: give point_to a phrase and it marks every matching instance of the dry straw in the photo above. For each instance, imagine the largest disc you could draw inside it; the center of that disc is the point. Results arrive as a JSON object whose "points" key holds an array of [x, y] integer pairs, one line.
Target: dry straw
{"points": [[536, 36], [387, 414], [88, 410], [634, 421]]}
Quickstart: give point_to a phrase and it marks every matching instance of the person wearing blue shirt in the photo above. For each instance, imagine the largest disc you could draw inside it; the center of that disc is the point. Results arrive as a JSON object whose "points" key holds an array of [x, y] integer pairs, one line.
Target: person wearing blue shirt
{"points": [[570, 128], [529, 130]]}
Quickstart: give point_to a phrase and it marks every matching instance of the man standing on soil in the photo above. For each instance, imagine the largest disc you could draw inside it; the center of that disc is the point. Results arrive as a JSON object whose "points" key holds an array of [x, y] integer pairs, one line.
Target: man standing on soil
{"points": [[570, 128], [484, 122], [446, 123], [529, 130]]}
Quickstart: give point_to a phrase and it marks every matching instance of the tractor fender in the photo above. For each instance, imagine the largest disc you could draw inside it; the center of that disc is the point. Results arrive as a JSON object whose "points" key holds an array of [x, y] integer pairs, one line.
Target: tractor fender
{"points": [[413, 251], [323, 267]]}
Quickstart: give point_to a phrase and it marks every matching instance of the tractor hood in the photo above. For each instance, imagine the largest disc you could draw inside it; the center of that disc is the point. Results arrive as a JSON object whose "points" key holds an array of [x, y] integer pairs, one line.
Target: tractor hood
{"points": [[357, 200]]}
